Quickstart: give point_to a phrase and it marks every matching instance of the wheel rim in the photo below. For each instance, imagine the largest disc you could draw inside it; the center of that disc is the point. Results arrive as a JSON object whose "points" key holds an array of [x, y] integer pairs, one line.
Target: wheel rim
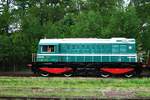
{"points": [[44, 74], [104, 75], [68, 74], [128, 75]]}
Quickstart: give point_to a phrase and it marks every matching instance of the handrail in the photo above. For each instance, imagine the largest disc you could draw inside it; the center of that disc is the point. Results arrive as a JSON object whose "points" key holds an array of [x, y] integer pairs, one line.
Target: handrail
{"points": [[33, 57]]}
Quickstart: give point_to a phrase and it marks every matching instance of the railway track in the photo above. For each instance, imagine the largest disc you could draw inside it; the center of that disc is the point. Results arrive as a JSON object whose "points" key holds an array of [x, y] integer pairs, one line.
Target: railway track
{"points": [[30, 74], [17, 74], [68, 98], [50, 98]]}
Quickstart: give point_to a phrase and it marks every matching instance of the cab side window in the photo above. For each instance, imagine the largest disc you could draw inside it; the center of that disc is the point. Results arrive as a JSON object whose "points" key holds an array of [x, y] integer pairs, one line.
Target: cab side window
{"points": [[48, 48]]}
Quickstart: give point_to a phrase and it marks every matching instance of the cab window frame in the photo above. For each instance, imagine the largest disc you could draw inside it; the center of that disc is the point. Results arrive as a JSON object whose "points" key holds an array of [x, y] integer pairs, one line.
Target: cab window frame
{"points": [[47, 48]]}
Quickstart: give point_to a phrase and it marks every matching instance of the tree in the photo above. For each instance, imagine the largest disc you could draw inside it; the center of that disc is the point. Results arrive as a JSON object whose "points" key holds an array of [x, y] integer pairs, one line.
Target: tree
{"points": [[5, 17], [124, 23], [143, 9], [87, 24]]}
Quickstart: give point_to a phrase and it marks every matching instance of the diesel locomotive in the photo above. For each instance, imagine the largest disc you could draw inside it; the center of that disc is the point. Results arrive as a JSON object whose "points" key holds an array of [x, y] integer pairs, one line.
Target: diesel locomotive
{"points": [[104, 57]]}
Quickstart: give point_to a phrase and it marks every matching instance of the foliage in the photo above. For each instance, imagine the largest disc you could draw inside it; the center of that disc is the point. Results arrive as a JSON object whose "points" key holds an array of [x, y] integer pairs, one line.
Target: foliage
{"points": [[36, 19]]}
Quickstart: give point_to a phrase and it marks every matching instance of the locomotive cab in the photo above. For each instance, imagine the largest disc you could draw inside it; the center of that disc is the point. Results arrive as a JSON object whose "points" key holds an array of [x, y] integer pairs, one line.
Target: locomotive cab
{"points": [[44, 50]]}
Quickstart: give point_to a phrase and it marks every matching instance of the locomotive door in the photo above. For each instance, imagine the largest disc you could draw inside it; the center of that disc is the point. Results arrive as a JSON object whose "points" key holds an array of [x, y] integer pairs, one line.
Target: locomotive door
{"points": [[50, 51], [53, 52]]}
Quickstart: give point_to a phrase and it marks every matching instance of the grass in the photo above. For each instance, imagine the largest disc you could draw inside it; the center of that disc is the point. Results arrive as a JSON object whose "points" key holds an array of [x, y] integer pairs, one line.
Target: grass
{"points": [[68, 87]]}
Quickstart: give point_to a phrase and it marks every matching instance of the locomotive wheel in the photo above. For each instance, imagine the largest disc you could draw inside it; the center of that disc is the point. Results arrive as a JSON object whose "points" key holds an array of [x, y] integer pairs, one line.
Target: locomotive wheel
{"points": [[129, 75], [104, 75], [68, 74], [43, 74]]}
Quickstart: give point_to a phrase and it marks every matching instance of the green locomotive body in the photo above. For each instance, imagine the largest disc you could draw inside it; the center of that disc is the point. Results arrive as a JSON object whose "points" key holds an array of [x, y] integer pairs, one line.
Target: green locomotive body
{"points": [[87, 50]]}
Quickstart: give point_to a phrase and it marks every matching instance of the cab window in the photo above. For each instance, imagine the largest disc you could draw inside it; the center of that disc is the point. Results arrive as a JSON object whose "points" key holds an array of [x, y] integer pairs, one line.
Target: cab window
{"points": [[48, 48]]}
